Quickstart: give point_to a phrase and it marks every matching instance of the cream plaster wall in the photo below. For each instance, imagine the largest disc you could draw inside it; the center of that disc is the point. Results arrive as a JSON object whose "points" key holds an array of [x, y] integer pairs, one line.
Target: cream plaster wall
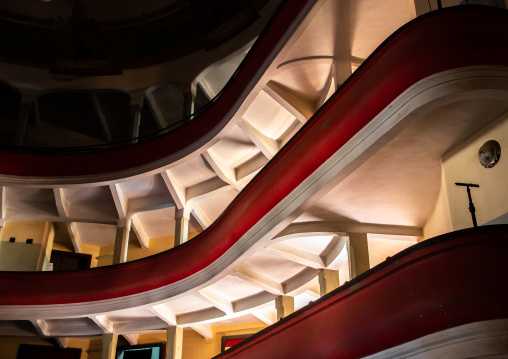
{"points": [[461, 165], [440, 221]]}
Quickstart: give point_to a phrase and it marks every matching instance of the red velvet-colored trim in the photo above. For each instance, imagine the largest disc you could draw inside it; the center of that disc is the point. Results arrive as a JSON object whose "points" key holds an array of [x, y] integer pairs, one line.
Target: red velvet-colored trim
{"points": [[448, 40], [422, 291]]}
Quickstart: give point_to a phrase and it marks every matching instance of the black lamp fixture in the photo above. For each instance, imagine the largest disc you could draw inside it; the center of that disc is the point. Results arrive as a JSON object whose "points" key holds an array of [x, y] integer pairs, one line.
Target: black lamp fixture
{"points": [[472, 209]]}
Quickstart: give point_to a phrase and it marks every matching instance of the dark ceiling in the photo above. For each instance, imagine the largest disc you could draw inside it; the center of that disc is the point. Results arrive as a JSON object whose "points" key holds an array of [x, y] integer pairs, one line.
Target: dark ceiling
{"points": [[92, 37]]}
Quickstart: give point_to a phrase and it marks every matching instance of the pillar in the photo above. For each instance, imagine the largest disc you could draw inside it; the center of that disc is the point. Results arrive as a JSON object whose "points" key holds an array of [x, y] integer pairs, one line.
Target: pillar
{"points": [[47, 246], [420, 7], [328, 280], [109, 341], [121, 245], [342, 42], [174, 342], [135, 121], [285, 305], [187, 104], [358, 252], [22, 122], [181, 228]]}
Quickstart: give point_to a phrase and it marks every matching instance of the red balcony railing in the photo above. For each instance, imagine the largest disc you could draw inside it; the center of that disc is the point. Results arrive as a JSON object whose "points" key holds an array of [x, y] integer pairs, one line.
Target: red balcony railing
{"points": [[442, 41]]}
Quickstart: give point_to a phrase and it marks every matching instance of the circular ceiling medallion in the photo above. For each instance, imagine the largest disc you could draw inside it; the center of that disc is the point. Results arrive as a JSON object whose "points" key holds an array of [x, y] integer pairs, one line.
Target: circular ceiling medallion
{"points": [[489, 153]]}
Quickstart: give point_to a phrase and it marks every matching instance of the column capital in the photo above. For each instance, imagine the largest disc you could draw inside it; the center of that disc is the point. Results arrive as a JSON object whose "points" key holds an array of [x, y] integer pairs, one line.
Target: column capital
{"points": [[358, 253], [328, 280], [28, 97], [285, 305], [182, 212], [137, 98]]}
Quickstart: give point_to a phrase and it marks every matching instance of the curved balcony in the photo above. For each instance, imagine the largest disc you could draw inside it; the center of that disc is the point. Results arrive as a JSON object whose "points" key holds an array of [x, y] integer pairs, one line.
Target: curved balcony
{"points": [[166, 148], [426, 289], [384, 77]]}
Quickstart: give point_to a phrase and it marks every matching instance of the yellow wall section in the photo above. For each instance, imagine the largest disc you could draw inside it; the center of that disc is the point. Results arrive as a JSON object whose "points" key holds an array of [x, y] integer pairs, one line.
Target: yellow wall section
{"points": [[94, 350], [24, 230], [57, 246], [28, 257], [94, 251], [462, 165], [196, 347]]}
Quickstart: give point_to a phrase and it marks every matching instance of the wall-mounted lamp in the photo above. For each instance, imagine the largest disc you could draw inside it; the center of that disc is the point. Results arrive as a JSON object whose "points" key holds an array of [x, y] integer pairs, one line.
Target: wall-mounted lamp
{"points": [[489, 154]]}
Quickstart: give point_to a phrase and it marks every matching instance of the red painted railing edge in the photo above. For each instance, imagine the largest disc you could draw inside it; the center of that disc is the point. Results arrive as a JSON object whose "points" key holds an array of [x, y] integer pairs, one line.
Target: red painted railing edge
{"points": [[445, 243]]}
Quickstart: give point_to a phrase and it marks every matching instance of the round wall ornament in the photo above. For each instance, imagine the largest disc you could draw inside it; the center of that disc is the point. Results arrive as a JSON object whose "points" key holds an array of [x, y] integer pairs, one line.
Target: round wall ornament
{"points": [[489, 153]]}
